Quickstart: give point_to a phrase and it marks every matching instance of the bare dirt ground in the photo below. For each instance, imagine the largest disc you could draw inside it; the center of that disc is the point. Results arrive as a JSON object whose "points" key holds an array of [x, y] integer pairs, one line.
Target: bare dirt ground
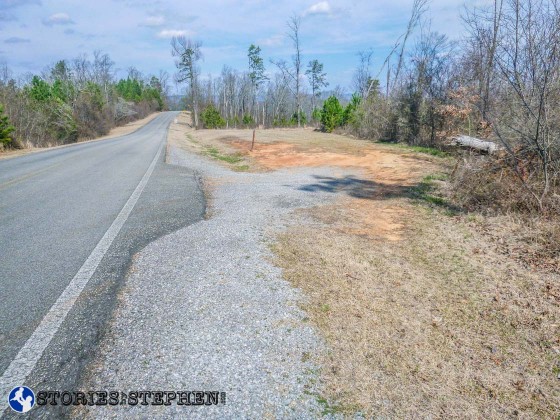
{"points": [[114, 132], [424, 313]]}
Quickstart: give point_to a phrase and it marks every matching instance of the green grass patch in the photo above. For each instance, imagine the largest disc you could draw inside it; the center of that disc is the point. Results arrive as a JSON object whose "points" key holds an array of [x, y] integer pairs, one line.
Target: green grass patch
{"points": [[425, 191], [215, 154], [328, 409], [241, 168], [436, 177], [421, 149]]}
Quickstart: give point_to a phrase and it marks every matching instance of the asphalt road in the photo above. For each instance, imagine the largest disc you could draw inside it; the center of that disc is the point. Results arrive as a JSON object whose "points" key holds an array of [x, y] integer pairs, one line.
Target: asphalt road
{"points": [[55, 208]]}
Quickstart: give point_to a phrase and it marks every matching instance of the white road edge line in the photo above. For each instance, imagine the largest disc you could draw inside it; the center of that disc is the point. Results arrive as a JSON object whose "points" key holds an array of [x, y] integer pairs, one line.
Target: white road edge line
{"points": [[23, 364]]}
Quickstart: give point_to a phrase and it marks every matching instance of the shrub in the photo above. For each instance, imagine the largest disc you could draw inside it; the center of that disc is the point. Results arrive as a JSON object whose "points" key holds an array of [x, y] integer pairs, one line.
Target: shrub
{"points": [[233, 122], [488, 184], [349, 115], [280, 122], [316, 114], [211, 118], [62, 125], [248, 120], [302, 118], [332, 114], [92, 119]]}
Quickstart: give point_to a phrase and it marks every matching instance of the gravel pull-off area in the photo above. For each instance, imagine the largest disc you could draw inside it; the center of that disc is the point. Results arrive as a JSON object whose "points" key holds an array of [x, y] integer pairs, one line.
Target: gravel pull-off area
{"points": [[204, 309]]}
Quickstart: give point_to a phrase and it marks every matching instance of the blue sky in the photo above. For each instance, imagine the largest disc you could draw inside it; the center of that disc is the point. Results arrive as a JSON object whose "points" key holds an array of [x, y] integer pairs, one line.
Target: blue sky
{"points": [[36, 33]]}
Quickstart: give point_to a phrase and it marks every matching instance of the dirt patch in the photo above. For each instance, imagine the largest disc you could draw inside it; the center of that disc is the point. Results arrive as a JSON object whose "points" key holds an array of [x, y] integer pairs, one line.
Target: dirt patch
{"points": [[204, 142], [380, 175], [365, 218], [379, 164], [380, 170]]}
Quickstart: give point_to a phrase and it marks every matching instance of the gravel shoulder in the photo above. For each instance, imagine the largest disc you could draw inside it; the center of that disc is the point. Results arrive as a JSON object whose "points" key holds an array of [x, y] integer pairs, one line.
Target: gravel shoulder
{"points": [[204, 308]]}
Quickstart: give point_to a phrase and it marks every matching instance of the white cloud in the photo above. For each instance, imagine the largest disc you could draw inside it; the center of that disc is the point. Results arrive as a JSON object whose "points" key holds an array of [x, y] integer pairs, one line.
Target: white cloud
{"points": [[170, 33], [321, 8], [272, 41], [153, 21], [58, 19]]}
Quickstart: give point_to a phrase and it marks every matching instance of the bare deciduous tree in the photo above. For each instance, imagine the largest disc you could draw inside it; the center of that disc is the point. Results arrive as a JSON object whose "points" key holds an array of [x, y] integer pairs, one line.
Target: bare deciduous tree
{"points": [[188, 54], [293, 73], [362, 75], [528, 64], [294, 26], [419, 7], [317, 80]]}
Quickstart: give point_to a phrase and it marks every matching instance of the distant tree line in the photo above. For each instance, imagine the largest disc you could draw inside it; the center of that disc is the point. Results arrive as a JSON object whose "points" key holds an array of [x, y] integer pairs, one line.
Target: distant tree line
{"points": [[75, 99], [252, 97]]}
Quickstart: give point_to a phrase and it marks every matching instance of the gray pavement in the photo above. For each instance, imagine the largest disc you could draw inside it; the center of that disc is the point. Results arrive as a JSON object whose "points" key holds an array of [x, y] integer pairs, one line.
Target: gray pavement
{"points": [[55, 206]]}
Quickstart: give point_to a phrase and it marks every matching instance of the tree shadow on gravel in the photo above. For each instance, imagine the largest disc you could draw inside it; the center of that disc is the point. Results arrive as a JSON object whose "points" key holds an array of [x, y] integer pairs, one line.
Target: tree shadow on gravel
{"points": [[356, 187], [371, 190]]}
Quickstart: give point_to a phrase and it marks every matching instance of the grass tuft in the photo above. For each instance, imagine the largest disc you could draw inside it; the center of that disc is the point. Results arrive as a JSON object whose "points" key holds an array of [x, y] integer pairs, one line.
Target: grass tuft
{"points": [[241, 168], [425, 190], [215, 154], [422, 149]]}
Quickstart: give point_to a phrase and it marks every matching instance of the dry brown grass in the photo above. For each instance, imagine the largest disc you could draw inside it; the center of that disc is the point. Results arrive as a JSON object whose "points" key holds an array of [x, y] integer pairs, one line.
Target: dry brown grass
{"points": [[129, 127], [533, 241], [435, 325], [424, 315], [114, 132]]}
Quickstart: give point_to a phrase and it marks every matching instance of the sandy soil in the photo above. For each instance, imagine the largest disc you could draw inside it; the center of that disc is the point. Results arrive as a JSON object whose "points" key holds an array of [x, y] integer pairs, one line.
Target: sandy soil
{"points": [[381, 170], [114, 132]]}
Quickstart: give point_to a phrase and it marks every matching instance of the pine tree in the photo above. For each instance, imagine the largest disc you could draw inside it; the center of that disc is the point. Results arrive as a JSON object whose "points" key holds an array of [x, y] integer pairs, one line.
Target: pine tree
{"points": [[332, 114], [6, 128]]}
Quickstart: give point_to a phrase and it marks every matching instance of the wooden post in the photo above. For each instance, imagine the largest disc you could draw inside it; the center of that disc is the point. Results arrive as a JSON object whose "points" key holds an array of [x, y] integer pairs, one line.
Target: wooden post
{"points": [[253, 143]]}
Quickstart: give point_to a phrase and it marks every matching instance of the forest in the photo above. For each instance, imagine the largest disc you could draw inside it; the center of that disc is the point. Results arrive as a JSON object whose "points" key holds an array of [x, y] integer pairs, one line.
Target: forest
{"points": [[72, 100]]}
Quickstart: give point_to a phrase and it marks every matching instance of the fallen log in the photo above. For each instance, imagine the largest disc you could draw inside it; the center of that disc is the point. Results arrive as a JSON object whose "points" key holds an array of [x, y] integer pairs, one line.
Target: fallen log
{"points": [[476, 144]]}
